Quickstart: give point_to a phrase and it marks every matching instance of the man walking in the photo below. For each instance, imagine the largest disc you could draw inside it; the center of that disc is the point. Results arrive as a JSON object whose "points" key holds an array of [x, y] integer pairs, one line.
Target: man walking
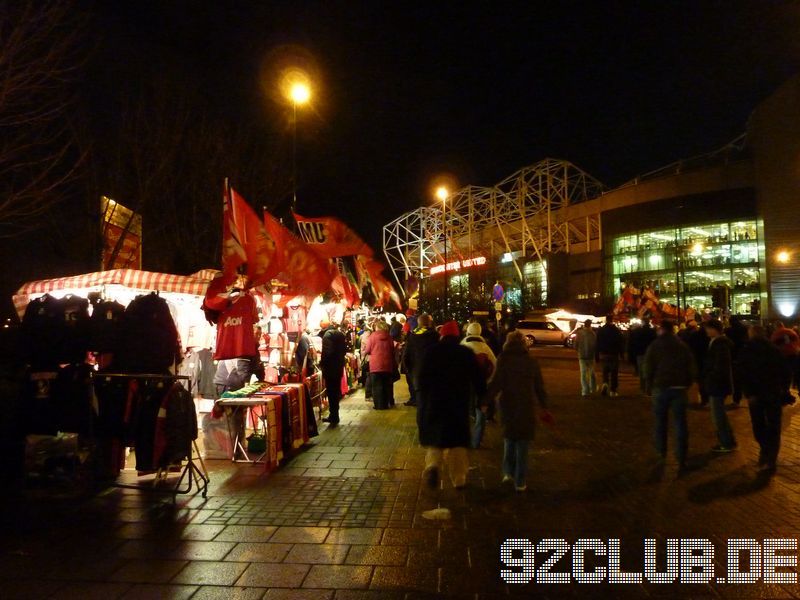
{"points": [[670, 370], [334, 348], [586, 345], [765, 384], [718, 382], [610, 347], [418, 343], [449, 375]]}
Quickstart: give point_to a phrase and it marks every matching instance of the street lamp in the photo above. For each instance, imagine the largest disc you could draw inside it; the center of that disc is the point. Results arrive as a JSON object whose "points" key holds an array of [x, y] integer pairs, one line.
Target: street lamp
{"points": [[299, 93], [442, 193], [783, 257]]}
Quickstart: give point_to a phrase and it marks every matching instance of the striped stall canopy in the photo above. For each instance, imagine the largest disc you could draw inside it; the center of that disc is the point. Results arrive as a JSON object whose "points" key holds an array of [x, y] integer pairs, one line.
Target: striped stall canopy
{"points": [[194, 284]]}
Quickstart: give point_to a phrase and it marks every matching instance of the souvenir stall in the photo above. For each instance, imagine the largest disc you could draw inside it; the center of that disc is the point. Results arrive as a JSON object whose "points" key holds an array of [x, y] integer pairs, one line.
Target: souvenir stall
{"points": [[102, 351]]}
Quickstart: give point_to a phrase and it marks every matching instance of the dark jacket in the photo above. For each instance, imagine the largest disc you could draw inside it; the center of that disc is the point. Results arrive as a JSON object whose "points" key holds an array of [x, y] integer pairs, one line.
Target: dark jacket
{"points": [[639, 341], [763, 370], [518, 381], [448, 377], [697, 340], [334, 347], [718, 367], [610, 340], [668, 363], [417, 345]]}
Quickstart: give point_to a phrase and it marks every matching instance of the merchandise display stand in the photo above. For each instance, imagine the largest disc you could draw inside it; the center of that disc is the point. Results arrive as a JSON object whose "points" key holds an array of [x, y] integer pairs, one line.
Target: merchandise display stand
{"points": [[191, 475], [238, 406]]}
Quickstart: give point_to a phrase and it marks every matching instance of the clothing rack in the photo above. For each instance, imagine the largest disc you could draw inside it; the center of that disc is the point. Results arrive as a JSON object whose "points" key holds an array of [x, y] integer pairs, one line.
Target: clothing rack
{"points": [[193, 474]]}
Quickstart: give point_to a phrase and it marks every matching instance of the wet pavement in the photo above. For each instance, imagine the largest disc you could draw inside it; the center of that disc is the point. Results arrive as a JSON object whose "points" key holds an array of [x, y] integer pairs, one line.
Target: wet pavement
{"points": [[343, 519]]}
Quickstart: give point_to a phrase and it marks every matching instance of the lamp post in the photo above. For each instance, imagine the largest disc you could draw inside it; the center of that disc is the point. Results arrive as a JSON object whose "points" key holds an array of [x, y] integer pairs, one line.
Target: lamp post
{"points": [[442, 194], [299, 93]]}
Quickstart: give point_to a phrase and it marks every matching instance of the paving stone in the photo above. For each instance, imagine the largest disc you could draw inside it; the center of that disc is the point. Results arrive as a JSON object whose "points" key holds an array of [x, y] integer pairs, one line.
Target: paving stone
{"points": [[194, 550], [273, 575], [300, 535], [245, 533], [405, 578], [159, 592], [202, 532], [211, 592], [286, 594], [338, 577], [210, 573], [354, 535], [148, 571], [259, 552], [331, 554], [377, 555]]}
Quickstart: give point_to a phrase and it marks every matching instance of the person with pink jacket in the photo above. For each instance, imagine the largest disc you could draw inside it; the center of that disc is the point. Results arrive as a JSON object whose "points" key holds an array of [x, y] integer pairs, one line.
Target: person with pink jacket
{"points": [[380, 348]]}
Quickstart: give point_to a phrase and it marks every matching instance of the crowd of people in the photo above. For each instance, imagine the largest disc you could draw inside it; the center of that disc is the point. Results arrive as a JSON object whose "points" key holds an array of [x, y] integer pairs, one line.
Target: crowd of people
{"points": [[457, 377], [724, 359]]}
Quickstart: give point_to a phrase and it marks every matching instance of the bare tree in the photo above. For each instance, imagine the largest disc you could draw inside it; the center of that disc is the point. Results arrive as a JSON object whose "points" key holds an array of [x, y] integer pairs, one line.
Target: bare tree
{"points": [[167, 160], [40, 54]]}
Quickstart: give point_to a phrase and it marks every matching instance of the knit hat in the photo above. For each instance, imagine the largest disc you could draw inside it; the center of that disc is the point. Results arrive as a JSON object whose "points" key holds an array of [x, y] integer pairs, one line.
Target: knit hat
{"points": [[474, 329], [450, 328]]}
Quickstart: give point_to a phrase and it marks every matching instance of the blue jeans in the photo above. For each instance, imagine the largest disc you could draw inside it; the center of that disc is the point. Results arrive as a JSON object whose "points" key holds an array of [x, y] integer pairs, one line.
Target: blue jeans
{"points": [[588, 379], [515, 460], [480, 423], [720, 420], [664, 401]]}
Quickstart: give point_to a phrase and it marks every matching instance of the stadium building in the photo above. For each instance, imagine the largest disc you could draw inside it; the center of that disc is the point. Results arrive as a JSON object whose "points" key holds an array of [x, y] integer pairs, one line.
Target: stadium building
{"points": [[720, 230]]}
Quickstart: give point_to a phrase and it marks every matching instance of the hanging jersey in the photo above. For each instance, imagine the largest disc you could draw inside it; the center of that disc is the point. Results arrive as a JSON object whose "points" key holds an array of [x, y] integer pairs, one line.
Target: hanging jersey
{"points": [[235, 335]]}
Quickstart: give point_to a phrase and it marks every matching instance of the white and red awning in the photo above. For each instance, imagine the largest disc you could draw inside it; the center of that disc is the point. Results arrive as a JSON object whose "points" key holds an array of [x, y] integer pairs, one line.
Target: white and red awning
{"points": [[194, 284]]}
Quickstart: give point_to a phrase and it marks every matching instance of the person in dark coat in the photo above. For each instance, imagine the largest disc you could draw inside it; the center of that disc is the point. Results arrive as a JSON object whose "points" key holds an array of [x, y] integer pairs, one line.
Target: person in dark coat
{"points": [[765, 384], [518, 383], [718, 382], [334, 348], [610, 348], [670, 371], [418, 343], [696, 338], [639, 339], [448, 377], [737, 333]]}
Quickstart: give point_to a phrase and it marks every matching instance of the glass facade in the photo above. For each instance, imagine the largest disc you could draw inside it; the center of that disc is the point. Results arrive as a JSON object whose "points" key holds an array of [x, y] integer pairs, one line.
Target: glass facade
{"points": [[685, 265]]}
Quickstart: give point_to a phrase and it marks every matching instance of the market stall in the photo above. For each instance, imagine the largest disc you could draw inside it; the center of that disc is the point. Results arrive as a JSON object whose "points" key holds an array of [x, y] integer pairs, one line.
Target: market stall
{"points": [[103, 350]]}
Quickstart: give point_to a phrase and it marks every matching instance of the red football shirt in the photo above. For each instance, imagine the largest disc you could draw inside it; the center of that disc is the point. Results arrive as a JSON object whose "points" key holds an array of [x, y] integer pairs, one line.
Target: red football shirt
{"points": [[235, 335]]}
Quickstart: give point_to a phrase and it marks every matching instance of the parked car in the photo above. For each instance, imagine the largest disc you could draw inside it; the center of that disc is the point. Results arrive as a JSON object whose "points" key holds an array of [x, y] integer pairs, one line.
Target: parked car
{"points": [[542, 332]]}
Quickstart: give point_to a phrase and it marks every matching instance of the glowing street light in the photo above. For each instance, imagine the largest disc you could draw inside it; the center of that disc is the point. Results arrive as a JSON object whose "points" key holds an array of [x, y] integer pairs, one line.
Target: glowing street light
{"points": [[299, 92], [783, 257], [442, 193]]}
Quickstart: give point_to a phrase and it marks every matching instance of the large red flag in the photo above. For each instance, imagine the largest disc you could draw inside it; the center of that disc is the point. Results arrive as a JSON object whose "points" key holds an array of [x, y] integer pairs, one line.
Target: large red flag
{"points": [[233, 254], [305, 272], [330, 238], [259, 246], [384, 291]]}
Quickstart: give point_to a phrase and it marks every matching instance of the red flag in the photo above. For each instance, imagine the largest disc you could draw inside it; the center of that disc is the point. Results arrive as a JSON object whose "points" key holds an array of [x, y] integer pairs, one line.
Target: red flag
{"points": [[384, 291], [330, 238], [305, 272], [233, 254], [259, 246]]}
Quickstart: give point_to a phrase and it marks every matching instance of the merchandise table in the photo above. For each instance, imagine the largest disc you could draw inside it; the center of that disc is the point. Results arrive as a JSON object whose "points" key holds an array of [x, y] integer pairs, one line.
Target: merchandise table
{"points": [[283, 411], [262, 408]]}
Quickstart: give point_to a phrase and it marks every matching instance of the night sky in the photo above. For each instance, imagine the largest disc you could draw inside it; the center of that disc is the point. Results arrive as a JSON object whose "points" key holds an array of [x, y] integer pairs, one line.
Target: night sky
{"points": [[405, 91]]}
